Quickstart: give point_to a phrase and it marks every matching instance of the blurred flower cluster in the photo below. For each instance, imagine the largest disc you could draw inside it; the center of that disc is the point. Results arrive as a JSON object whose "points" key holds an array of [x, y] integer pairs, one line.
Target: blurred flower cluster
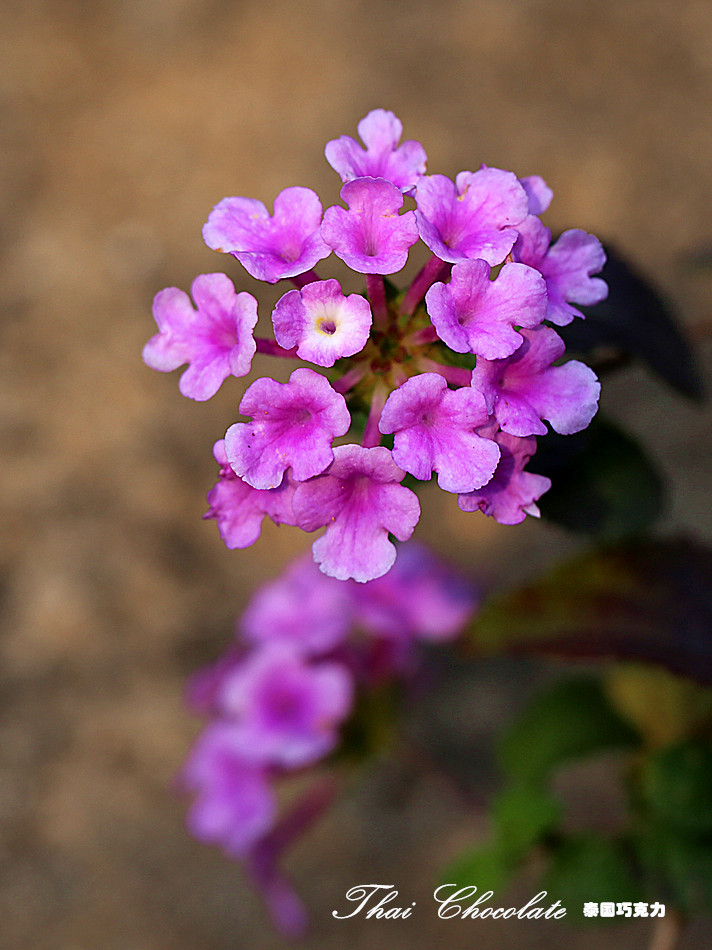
{"points": [[309, 653], [453, 376]]}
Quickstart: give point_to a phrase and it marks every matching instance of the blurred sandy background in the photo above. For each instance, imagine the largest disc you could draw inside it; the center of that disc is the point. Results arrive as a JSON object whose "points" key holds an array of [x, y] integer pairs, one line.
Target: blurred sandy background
{"points": [[123, 123]]}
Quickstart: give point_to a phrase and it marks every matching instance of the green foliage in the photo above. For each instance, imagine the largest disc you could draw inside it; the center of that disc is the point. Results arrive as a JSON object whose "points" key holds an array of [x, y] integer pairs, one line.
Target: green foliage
{"points": [[443, 354], [675, 816], [489, 867], [662, 707], [678, 867], [664, 850], [676, 787], [522, 816], [370, 728], [589, 868], [571, 720]]}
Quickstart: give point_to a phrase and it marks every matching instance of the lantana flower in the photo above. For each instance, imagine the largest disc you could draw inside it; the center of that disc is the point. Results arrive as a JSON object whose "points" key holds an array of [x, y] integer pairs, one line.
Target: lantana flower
{"points": [[474, 314], [234, 802], [422, 599], [512, 493], [567, 267], [322, 323], [319, 625], [435, 431], [361, 501], [286, 708], [240, 509], [538, 193], [453, 375], [473, 217], [279, 699], [371, 237], [216, 339], [294, 425], [383, 157], [269, 247], [526, 388]]}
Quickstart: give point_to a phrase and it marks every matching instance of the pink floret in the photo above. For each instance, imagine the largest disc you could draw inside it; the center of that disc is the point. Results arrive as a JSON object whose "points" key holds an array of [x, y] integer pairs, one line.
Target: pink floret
{"points": [[294, 425], [269, 247], [360, 501], [383, 157], [216, 339], [526, 388]]}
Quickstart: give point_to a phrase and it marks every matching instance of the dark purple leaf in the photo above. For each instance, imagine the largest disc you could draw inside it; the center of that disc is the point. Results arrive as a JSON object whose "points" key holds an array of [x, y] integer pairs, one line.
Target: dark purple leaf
{"points": [[603, 484], [645, 601], [635, 320]]}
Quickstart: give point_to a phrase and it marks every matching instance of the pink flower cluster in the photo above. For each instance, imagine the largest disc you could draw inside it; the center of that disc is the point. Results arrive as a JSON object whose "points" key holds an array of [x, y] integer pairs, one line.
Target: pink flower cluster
{"points": [[455, 375], [277, 699]]}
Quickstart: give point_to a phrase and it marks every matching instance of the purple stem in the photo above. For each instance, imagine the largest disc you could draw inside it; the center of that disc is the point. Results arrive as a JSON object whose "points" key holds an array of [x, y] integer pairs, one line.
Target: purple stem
{"points": [[307, 810], [398, 375], [273, 348], [299, 280], [457, 375], [376, 290], [285, 907], [350, 378], [371, 433], [434, 270], [420, 337]]}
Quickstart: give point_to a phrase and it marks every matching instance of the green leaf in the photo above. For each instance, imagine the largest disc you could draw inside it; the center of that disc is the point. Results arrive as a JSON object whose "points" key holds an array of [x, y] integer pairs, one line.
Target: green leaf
{"points": [[443, 354], [489, 867], [679, 867], [589, 868], [370, 728], [359, 416], [603, 484], [676, 785], [393, 292], [523, 815], [571, 720], [417, 484], [675, 844], [664, 708], [646, 601]]}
